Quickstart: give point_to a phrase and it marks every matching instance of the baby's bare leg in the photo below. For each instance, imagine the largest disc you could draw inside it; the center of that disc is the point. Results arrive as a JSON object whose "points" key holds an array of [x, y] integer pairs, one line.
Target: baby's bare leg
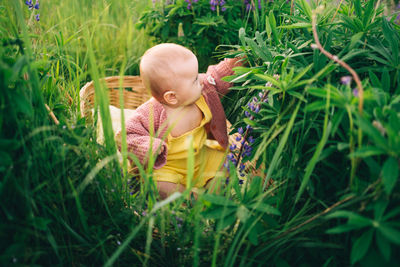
{"points": [[165, 189]]}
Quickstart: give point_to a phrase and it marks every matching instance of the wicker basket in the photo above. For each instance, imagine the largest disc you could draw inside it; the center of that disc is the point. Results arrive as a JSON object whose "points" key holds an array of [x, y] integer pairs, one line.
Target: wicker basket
{"points": [[135, 93]]}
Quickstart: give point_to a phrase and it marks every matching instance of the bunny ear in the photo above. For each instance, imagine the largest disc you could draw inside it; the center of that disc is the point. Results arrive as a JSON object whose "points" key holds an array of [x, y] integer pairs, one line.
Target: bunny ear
{"points": [[211, 80]]}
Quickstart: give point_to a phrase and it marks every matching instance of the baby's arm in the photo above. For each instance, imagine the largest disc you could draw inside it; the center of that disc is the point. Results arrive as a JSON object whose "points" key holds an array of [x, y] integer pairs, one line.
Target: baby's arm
{"points": [[140, 142], [216, 72]]}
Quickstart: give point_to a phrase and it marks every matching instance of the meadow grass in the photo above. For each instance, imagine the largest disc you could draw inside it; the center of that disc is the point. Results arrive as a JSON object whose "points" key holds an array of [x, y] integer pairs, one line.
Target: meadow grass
{"points": [[65, 200]]}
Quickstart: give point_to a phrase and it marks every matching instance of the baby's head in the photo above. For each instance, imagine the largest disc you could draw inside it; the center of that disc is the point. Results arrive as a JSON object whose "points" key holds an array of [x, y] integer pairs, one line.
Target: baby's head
{"points": [[170, 72]]}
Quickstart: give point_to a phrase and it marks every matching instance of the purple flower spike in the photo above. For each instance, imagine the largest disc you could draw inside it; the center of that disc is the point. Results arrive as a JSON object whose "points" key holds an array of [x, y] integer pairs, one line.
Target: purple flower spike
{"points": [[251, 140], [355, 92], [232, 147], [257, 109], [36, 5], [240, 130], [238, 138], [37, 17], [249, 128], [241, 167], [247, 114], [346, 80]]}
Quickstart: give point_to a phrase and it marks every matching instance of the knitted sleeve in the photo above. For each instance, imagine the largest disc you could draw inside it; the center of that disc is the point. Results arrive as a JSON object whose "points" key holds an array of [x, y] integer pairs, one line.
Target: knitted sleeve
{"points": [[141, 143], [216, 72]]}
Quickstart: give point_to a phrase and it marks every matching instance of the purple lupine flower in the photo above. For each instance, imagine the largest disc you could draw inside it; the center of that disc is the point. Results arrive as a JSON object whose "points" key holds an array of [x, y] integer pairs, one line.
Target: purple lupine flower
{"points": [[250, 5], [346, 80], [215, 3], [190, 3], [37, 4], [238, 138], [37, 17], [355, 92], [241, 167], [232, 147], [251, 140], [249, 128], [29, 3], [240, 130]]}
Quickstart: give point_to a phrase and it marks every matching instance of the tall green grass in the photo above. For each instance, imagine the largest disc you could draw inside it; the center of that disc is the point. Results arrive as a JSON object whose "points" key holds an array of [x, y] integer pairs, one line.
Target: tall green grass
{"points": [[65, 201]]}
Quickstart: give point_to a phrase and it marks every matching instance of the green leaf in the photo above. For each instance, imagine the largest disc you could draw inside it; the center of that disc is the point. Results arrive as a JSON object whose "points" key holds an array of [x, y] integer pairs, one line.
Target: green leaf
{"points": [[298, 25], [353, 218], [242, 34], [268, 78], [272, 23], [281, 145], [217, 212], [242, 213], [253, 236], [227, 221], [390, 172], [6, 160], [342, 229], [315, 105], [392, 213], [391, 234], [255, 188], [374, 79], [40, 223], [383, 245], [355, 38], [367, 151], [218, 200], [361, 246], [268, 27], [369, 129], [22, 104], [385, 80], [357, 7], [262, 207], [265, 56]]}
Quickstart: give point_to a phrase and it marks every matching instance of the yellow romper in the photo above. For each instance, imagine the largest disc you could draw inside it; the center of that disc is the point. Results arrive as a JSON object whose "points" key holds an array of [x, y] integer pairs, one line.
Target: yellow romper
{"points": [[208, 154]]}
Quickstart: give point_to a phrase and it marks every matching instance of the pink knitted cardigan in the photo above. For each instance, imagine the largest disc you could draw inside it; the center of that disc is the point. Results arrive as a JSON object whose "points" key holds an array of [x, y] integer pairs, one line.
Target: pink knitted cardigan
{"points": [[141, 136]]}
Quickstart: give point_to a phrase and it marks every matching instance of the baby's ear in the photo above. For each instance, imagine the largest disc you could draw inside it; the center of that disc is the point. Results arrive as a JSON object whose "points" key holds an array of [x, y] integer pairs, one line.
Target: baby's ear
{"points": [[170, 98]]}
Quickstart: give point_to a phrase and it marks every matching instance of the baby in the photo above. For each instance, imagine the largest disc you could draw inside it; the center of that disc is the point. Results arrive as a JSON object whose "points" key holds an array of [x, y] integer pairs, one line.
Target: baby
{"points": [[185, 111]]}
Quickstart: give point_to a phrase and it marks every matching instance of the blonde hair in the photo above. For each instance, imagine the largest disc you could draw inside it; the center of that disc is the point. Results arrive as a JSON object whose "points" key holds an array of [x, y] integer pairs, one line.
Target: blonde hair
{"points": [[157, 67]]}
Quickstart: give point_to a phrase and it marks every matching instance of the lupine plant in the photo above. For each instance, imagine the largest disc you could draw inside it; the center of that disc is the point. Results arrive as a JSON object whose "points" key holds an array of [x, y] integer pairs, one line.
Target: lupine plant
{"points": [[203, 25], [323, 137], [32, 7]]}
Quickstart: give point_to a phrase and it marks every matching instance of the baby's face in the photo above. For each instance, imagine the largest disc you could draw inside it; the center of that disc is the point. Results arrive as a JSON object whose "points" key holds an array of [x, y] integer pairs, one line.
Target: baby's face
{"points": [[188, 88]]}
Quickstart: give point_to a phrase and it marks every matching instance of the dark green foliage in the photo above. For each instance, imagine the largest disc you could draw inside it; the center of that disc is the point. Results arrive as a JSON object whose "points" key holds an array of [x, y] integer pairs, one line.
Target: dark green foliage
{"points": [[200, 28], [326, 192]]}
